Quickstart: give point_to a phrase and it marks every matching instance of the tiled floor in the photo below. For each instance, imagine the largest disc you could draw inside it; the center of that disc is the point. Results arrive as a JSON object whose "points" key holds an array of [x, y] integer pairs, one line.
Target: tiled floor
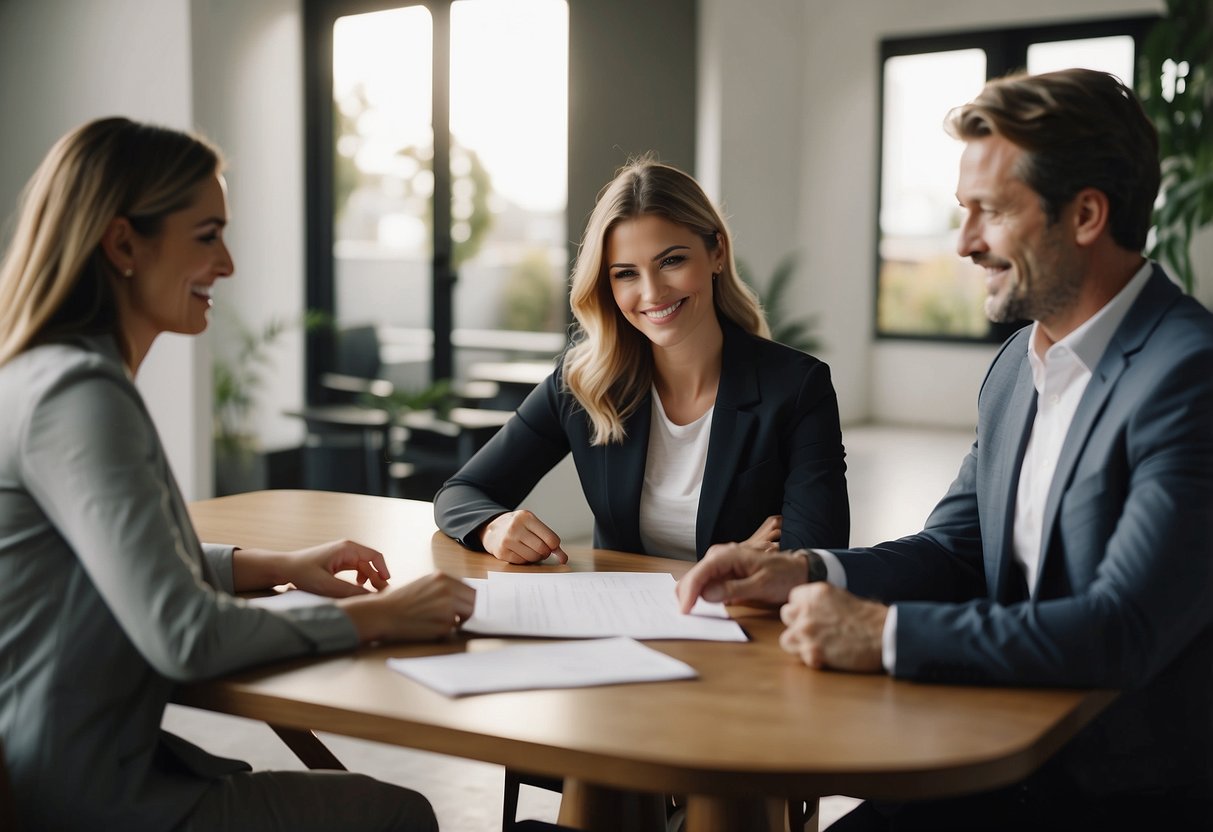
{"points": [[895, 476]]}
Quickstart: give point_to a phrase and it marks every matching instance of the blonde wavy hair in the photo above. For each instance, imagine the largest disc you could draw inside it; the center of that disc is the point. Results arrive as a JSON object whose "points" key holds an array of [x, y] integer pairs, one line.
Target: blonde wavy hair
{"points": [[54, 279], [609, 368]]}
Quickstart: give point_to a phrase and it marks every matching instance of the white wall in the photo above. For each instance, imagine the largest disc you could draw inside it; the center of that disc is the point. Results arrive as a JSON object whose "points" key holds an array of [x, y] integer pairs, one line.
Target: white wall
{"points": [[248, 98], [64, 62], [739, 116], [828, 106]]}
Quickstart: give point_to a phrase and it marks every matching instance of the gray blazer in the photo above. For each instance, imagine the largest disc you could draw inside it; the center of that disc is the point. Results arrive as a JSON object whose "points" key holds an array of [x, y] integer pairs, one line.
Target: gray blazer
{"points": [[107, 598], [1124, 594]]}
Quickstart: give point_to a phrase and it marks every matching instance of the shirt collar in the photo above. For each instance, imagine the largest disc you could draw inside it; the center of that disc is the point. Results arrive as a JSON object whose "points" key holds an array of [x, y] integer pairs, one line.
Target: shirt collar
{"points": [[1090, 340]]}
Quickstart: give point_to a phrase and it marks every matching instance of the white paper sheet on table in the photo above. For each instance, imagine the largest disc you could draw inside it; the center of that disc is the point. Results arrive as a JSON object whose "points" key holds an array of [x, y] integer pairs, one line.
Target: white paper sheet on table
{"points": [[593, 605], [565, 664], [292, 599]]}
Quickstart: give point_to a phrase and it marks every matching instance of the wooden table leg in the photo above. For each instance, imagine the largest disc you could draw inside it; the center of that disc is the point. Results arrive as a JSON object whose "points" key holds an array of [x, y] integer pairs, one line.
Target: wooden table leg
{"points": [[596, 808], [308, 748]]}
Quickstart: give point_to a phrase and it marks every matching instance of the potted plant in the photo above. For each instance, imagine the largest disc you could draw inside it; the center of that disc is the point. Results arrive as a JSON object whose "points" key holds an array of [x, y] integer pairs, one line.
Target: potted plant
{"points": [[1176, 87], [795, 332], [237, 380]]}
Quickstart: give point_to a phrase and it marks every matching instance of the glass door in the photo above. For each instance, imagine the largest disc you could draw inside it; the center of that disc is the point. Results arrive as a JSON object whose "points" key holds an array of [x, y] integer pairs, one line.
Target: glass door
{"points": [[437, 180]]}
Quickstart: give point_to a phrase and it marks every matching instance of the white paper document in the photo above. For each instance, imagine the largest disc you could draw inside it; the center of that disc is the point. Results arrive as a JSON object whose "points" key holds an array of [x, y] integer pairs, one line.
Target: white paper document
{"points": [[565, 664], [594, 605], [290, 600]]}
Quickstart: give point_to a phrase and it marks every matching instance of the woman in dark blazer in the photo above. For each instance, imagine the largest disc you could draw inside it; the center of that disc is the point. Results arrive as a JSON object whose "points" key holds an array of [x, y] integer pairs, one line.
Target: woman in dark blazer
{"points": [[688, 426], [107, 598]]}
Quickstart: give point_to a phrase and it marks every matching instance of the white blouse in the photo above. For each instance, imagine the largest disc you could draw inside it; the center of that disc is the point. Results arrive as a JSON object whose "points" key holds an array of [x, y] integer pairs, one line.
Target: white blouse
{"points": [[673, 476]]}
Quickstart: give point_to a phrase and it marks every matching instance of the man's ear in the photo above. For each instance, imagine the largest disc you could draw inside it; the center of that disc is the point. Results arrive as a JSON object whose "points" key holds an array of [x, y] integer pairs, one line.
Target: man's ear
{"points": [[118, 244], [1090, 215]]}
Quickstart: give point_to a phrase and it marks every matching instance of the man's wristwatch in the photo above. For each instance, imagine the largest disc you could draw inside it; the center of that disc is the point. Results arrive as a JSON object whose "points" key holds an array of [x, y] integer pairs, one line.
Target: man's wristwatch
{"points": [[816, 566]]}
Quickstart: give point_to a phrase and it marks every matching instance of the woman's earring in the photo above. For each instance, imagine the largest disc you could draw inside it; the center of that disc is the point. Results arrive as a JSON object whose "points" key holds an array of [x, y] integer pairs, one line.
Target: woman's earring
{"points": [[129, 273]]}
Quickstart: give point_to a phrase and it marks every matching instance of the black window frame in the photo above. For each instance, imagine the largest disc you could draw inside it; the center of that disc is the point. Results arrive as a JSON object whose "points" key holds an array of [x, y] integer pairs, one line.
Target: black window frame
{"points": [[318, 19], [1006, 52]]}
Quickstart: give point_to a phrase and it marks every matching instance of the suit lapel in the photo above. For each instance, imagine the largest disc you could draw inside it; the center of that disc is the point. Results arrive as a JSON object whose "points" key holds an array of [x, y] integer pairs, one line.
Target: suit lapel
{"points": [[731, 428], [624, 475], [1155, 298], [1011, 446]]}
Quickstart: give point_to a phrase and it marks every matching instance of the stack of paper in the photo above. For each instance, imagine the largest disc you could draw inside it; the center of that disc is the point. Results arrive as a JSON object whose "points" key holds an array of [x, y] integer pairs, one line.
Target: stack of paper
{"points": [[550, 665], [593, 605]]}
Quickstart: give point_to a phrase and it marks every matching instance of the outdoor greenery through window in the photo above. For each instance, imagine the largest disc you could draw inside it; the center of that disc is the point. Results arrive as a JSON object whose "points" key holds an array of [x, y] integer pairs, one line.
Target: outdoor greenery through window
{"points": [[924, 289], [505, 97]]}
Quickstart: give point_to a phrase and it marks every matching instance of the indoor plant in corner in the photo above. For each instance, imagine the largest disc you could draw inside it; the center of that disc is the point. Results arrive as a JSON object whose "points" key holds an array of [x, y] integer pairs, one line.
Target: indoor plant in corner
{"points": [[238, 378], [796, 332]]}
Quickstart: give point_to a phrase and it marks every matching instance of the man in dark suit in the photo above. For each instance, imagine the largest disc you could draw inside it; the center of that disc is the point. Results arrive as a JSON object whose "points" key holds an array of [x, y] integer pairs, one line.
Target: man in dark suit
{"points": [[1075, 547]]}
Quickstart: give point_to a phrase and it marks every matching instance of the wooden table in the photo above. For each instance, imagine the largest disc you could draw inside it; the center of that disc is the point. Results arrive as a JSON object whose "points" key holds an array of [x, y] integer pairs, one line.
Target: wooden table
{"points": [[757, 724]]}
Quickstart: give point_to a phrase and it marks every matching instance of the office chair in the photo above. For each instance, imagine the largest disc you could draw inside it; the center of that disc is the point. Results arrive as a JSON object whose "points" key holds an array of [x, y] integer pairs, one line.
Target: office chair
{"points": [[346, 438], [8, 805], [798, 812], [404, 453]]}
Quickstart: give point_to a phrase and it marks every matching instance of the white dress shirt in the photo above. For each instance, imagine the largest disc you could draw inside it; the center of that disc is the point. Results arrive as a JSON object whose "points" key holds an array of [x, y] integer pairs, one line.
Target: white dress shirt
{"points": [[1060, 378]]}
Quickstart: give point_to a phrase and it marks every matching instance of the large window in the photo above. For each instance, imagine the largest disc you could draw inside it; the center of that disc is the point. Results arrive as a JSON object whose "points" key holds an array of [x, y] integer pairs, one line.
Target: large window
{"points": [[923, 289], [437, 151]]}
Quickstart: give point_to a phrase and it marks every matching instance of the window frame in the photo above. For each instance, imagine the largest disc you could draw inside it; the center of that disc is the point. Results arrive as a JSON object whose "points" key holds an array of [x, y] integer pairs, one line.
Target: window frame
{"points": [[320, 291], [1006, 51]]}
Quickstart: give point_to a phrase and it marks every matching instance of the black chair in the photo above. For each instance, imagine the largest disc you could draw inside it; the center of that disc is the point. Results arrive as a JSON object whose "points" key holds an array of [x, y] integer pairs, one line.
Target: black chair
{"points": [[798, 813], [8, 805], [515, 779], [346, 437], [360, 440]]}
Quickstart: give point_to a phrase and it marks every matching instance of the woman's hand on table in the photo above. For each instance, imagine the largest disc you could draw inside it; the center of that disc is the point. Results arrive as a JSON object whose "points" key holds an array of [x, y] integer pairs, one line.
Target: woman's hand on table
{"points": [[313, 569], [427, 609], [766, 537], [521, 537]]}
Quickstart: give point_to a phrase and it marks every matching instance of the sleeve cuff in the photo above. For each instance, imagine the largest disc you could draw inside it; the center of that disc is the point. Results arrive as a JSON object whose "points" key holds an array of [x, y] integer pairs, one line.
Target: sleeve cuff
{"points": [[220, 559], [888, 641], [836, 573]]}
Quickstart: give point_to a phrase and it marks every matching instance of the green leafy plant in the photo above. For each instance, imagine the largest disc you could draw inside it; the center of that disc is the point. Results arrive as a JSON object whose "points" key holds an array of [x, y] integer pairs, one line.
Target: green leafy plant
{"points": [[1176, 88], [471, 217], [239, 378], [794, 331]]}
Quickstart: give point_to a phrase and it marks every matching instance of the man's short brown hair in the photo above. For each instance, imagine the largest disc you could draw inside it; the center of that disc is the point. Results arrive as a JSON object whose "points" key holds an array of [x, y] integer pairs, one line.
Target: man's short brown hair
{"points": [[1079, 129]]}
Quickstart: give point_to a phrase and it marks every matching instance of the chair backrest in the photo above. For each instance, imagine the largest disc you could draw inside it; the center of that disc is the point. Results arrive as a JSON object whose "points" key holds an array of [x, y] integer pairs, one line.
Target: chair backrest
{"points": [[8, 805], [358, 352]]}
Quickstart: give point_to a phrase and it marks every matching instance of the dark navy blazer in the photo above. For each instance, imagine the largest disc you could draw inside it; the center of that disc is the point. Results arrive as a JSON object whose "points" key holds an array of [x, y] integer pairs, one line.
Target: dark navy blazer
{"points": [[1124, 593]]}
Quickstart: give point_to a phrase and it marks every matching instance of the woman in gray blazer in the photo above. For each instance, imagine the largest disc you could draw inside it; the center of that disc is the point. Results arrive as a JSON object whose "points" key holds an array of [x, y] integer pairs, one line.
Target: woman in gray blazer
{"points": [[687, 424], [106, 596]]}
